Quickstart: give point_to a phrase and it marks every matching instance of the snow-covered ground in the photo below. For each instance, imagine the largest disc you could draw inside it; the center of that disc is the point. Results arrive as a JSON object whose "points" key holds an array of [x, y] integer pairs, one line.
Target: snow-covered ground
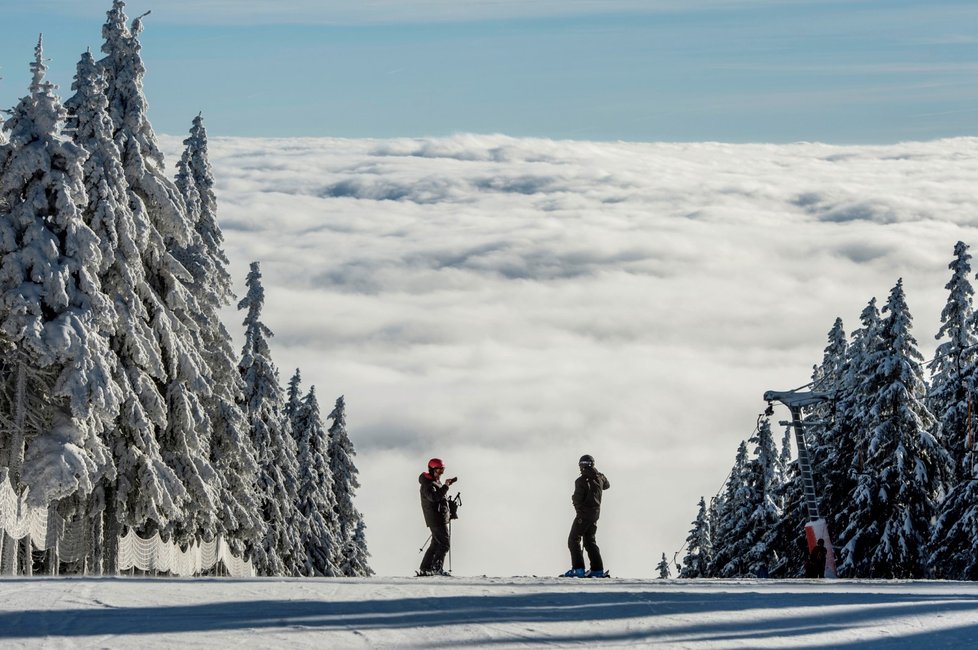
{"points": [[484, 612]]}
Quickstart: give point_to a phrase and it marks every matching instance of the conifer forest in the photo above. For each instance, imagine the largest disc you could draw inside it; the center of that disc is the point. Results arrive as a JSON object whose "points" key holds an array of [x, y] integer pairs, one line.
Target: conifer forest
{"points": [[891, 448], [123, 402]]}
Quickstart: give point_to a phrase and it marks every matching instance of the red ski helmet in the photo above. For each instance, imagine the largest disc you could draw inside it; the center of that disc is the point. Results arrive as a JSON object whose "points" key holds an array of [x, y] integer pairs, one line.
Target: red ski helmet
{"points": [[435, 463]]}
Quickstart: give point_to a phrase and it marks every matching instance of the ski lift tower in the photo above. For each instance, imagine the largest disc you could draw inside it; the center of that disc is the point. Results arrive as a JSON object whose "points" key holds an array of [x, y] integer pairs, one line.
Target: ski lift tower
{"points": [[816, 528]]}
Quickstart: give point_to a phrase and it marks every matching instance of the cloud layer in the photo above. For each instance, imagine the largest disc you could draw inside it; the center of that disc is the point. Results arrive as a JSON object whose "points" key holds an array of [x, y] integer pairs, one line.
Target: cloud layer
{"points": [[509, 304]]}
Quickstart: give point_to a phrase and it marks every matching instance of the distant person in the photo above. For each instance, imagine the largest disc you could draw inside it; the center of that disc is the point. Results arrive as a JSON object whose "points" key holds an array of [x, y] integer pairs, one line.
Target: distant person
{"points": [[588, 489], [817, 559], [762, 570], [434, 505]]}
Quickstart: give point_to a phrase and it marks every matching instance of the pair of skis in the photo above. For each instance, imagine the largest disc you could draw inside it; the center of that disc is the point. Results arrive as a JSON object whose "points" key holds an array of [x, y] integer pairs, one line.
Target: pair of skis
{"points": [[607, 574]]}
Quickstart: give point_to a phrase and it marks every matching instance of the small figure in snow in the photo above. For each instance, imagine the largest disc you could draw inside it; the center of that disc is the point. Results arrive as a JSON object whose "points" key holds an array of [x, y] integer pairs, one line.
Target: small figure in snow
{"points": [[817, 559], [762, 570], [435, 506], [588, 489]]}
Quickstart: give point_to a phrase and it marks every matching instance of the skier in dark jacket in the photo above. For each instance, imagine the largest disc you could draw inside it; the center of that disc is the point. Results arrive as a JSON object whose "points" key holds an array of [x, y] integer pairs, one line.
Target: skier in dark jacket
{"points": [[588, 489], [434, 505]]}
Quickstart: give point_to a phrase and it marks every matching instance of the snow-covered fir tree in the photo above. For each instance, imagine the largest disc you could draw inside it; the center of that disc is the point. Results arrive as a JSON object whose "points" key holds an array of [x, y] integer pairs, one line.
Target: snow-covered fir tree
{"points": [[784, 539], [316, 498], [231, 451], [352, 557], [159, 198], [713, 512], [762, 484], [58, 396], [785, 457], [954, 369], [733, 510], [173, 309], [903, 475], [821, 430], [663, 569], [293, 398], [281, 551], [146, 492], [953, 396], [846, 440], [952, 540], [195, 174], [699, 546]]}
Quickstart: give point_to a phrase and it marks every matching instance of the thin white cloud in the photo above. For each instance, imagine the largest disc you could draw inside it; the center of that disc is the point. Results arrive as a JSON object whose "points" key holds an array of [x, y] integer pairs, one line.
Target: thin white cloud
{"points": [[509, 304], [367, 12]]}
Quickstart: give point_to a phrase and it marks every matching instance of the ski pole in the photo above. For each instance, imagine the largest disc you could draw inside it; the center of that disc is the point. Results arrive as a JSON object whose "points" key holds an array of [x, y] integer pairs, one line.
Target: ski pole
{"points": [[425, 544], [449, 545]]}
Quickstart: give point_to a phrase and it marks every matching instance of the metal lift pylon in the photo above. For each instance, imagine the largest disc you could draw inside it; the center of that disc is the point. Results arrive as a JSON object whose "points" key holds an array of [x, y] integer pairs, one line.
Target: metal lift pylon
{"points": [[816, 528]]}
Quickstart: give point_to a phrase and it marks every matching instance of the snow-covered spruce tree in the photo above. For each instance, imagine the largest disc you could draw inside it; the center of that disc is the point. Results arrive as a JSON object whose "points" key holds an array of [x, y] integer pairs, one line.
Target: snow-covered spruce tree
{"points": [[142, 159], [714, 510], [785, 457], [954, 395], [58, 393], [280, 551], [305, 472], [785, 541], [231, 451], [786, 538], [831, 473], [952, 541], [293, 399], [762, 483], [954, 367], [663, 568], [699, 548], [732, 512], [850, 431], [352, 557], [195, 174], [316, 498], [173, 310], [897, 494], [821, 435], [146, 493]]}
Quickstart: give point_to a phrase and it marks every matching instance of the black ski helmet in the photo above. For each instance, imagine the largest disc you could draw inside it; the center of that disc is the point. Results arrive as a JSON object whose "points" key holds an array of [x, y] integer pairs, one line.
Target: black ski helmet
{"points": [[587, 460]]}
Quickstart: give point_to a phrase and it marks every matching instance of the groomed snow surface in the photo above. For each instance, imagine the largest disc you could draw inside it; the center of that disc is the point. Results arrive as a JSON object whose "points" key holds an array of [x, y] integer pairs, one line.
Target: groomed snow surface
{"points": [[517, 612]]}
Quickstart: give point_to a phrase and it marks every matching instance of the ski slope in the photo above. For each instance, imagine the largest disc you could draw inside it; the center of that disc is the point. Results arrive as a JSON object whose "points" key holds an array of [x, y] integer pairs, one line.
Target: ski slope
{"points": [[522, 612]]}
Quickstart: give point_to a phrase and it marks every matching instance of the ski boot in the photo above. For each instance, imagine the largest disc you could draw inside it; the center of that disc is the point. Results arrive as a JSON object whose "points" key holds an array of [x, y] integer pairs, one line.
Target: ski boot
{"points": [[574, 573]]}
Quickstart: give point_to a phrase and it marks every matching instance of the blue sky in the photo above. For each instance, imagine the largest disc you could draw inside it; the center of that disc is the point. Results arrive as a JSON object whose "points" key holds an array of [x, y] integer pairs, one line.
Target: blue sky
{"points": [[737, 71]]}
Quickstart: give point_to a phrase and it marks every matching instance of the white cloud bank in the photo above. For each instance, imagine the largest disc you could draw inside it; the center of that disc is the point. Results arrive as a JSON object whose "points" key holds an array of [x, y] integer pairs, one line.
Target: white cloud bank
{"points": [[510, 304]]}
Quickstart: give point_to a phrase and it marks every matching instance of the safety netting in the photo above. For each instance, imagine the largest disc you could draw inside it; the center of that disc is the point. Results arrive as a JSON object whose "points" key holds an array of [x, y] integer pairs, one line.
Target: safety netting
{"points": [[71, 539]]}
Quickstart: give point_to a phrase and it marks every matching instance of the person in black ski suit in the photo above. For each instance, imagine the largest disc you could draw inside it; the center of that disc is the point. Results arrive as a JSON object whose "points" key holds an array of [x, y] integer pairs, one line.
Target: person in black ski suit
{"points": [[817, 559], [434, 505], [588, 489]]}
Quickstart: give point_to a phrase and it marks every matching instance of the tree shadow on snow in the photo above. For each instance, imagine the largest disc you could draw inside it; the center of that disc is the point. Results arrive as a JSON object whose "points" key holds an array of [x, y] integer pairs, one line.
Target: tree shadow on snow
{"points": [[644, 609]]}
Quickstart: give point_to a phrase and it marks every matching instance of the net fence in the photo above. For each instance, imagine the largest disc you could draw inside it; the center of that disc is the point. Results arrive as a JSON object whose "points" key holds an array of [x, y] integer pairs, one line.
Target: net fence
{"points": [[71, 540]]}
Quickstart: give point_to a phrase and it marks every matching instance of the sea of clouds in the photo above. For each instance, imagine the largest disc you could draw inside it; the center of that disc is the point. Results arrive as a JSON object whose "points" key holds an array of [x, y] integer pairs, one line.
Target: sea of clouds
{"points": [[510, 304]]}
